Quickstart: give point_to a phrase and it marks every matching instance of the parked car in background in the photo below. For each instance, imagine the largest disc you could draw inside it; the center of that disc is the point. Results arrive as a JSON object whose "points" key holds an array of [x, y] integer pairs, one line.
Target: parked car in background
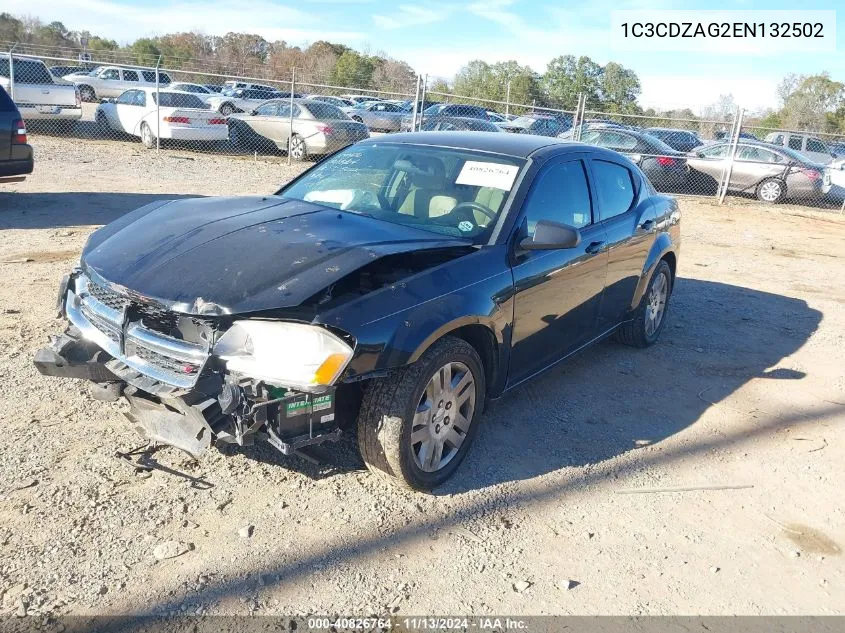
{"points": [[217, 88], [593, 124], [811, 148], [448, 110], [721, 135], [59, 72], [112, 81], [233, 100], [681, 140], [665, 167], [838, 148], [201, 91], [181, 117], [495, 117], [233, 85], [460, 266], [16, 160], [38, 95], [340, 102], [454, 123], [381, 116], [319, 128], [539, 124], [361, 98], [772, 173]]}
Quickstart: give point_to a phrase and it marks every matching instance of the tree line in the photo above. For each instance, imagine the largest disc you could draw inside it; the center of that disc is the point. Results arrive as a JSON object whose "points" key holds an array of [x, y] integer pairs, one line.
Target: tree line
{"points": [[815, 103]]}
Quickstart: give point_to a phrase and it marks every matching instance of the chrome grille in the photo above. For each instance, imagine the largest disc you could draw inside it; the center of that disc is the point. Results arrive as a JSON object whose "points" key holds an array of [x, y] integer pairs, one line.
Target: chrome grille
{"points": [[107, 297], [107, 318]]}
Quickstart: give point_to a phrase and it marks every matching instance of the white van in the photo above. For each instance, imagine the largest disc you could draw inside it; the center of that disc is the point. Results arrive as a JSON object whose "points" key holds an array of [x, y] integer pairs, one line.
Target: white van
{"points": [[813, 148]]}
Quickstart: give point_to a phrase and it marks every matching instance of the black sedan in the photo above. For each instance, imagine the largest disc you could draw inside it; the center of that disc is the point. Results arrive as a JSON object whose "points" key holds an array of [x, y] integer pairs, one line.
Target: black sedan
{"points": [[665, 167], [15, 153], [457, 123], [540, 124], [400, 284], [681, 140]]}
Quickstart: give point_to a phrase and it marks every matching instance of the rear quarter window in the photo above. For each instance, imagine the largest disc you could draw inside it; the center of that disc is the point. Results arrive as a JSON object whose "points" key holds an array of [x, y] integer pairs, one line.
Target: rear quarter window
{"points": [[615, 188]]}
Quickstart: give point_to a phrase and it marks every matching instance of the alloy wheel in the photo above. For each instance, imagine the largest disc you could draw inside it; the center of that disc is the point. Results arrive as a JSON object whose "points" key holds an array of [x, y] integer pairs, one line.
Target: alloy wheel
{"points": [[656, 306], [443, 417], [297, 148]]}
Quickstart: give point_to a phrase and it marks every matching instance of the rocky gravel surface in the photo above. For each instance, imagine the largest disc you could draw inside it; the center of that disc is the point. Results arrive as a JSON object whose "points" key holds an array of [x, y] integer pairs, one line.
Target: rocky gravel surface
{"points": [[702, 475]]}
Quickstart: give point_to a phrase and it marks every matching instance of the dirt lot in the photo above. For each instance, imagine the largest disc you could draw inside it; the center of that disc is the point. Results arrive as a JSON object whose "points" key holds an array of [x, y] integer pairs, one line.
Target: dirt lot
{"points": [[745, 390]]}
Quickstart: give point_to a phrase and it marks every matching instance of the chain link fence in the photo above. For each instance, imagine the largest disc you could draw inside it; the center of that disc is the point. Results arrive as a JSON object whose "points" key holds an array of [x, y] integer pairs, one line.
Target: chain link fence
{"points": [[270, 112]]}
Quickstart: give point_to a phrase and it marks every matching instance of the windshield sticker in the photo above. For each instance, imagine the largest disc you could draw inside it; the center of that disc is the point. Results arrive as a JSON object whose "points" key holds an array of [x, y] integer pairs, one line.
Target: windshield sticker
{"points": [[465, 226], [480, 174]]}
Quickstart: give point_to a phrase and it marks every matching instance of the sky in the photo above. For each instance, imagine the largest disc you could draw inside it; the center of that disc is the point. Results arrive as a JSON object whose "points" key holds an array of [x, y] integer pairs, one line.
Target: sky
{"points": [[439, 37]]}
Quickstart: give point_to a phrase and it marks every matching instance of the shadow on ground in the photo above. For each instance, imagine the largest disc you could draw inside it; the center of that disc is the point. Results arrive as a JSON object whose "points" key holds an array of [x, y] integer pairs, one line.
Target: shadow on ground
{"points": [[25, 210]]}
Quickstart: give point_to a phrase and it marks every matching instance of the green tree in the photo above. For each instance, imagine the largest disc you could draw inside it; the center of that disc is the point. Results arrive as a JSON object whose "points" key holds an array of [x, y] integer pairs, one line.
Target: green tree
{"points": [[481, 80], [810, 102], [566, 76], [353, 70], [619, 89], [145, 51]]}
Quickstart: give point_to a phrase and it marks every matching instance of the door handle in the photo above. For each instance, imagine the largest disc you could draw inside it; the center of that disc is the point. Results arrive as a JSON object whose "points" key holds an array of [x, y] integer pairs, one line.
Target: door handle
{"points": [[647, 225], [593, 248]]}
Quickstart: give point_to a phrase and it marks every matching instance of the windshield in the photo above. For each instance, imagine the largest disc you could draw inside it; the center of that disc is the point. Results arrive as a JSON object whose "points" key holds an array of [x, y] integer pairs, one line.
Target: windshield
{"points": [[448, 191], [322, 110], [180, 100], [435, 109], [797, 156], [524, 120]]}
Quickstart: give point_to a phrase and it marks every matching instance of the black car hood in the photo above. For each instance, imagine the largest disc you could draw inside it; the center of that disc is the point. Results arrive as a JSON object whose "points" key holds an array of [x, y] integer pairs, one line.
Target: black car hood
{"points": [[245, 254]]}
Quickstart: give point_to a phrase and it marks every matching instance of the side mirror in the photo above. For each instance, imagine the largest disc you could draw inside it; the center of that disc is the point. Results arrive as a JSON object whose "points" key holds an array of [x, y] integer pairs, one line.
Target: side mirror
{"points": [[550, 235]]}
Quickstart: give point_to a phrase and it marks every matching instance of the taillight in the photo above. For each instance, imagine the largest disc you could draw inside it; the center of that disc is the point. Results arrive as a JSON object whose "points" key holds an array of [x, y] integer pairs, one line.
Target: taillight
{"points": [[665, 161], [19, 132], [78, 96], [325, 129], [176, 119], [217, 121], [812, 174]]}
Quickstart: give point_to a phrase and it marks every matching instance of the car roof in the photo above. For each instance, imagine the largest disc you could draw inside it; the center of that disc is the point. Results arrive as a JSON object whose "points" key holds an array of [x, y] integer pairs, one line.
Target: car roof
{"points": [[519, 145], [668, 129]]}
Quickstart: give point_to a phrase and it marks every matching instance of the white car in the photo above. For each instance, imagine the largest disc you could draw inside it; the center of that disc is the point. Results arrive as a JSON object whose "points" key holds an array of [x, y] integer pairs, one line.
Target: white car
{"points": [[184, 117], [111, 81], [240, 100], [201, 91]]}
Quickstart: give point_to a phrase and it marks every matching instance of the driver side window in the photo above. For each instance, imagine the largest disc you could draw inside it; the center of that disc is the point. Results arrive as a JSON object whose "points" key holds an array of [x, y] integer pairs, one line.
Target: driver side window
{"points": [[560, 193], [127, 98]]}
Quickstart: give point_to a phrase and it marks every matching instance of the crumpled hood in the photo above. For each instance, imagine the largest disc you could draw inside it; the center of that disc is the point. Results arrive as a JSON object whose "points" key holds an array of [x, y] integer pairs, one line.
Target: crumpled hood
{"points": [[243, 254]]}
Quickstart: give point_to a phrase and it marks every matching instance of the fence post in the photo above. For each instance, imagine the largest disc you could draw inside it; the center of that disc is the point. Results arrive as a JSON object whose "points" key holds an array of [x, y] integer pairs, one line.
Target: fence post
{"points": [[290, 132], [158, 108], [12, 72], [579, 117], [508, 99], [422, 102], [416, 105], [723, 190]]}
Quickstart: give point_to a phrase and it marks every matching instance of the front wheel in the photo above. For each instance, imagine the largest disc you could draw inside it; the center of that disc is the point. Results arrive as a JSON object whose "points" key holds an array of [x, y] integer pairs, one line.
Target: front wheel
{"points": [[416, 425], [226, 109], [87, 94], [650, 317]]}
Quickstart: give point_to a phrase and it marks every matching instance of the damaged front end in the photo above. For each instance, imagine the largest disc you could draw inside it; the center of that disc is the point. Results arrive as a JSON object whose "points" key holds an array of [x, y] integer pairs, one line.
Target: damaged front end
{"points": [[193, 380]]}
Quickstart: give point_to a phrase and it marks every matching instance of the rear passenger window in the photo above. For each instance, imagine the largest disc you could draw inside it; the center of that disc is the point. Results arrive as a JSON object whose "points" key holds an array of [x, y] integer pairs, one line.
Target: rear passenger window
{"points": [[795, 142], [615, 188], [130, 75], [560, 194], [816, 146]]}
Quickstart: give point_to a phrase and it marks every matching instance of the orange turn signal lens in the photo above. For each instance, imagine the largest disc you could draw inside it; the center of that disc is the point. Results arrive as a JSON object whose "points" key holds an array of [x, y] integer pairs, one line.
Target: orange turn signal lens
{"points": [[329, 370]]}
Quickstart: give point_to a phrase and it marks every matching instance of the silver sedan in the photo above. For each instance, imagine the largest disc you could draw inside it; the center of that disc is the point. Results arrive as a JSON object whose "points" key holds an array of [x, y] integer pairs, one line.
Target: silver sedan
{"points": [[382, 116], [319, 128]]}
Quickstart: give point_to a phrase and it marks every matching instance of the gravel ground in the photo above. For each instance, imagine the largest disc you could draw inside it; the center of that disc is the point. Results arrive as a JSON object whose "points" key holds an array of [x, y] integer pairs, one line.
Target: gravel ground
{"points": [[560, 508]]}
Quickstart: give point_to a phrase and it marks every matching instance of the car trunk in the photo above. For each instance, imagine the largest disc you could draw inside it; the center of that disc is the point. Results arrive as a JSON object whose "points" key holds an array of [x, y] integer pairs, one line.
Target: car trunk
{"points": [[190, 117]]}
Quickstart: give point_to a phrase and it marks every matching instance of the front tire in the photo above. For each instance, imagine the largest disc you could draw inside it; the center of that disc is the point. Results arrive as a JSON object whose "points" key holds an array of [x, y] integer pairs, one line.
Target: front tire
{"points": [[226, 109], [650, 316], [87, 94], [416, 425]]}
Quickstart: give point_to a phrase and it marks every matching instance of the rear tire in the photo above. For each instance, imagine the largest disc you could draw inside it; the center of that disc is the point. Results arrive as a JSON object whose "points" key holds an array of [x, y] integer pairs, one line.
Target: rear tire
{"points": [[771, 191], [103, 122], [410, 398], [650, 316], [147, 137], [297, 149], [87, 93], [226, 109]]}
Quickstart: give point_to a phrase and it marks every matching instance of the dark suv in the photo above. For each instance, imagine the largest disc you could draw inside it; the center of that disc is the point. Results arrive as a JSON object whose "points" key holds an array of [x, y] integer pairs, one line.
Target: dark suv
{"points": [[15, 154]]}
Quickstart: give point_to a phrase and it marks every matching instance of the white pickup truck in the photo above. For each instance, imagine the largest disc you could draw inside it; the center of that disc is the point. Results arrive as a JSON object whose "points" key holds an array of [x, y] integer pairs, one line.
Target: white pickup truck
{"points": [[107, 82], [35, 92]]}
